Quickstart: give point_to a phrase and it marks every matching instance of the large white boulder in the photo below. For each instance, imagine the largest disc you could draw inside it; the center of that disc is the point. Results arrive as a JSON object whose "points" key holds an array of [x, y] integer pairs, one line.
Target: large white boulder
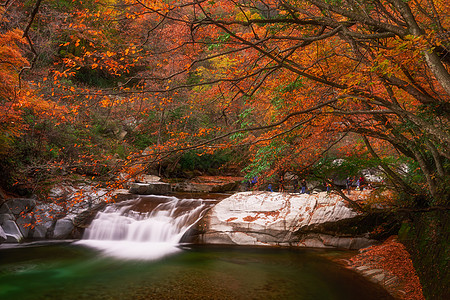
{"points": [[267, 218]]}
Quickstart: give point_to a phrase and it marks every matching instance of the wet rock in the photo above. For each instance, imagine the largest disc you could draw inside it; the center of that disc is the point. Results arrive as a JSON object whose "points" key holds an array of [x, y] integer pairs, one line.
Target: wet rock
{"points": [[84, 219], [20, 205], [121, 195], [63, 228], [24, 223], [153, 188], [41, 230], [2, 235], [44, 218], [4, 209], [5, 217], [12, 232]]}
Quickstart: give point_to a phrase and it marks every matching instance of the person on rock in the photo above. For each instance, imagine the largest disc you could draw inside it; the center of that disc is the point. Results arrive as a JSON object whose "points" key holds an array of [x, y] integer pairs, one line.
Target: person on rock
{"points": [[303, 185], [348, 184]]}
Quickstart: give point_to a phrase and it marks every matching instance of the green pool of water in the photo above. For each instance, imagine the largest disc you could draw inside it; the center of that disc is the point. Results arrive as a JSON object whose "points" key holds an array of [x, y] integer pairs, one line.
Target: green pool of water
{"points": [[67, 271]]}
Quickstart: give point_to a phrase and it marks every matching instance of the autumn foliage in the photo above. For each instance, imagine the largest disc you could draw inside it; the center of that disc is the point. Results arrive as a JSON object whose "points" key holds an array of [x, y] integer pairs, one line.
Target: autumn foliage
{"points": [[282, 86], [102, 91], [391, 256]]}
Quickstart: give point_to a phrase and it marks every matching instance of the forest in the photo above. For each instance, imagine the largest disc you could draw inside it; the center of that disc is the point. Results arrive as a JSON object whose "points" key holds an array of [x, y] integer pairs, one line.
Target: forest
{"points": [[95, 91]]}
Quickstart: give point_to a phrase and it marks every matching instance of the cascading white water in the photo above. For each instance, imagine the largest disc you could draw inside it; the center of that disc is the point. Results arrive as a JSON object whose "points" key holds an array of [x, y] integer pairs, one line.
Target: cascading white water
{"points": [[123, 231]]}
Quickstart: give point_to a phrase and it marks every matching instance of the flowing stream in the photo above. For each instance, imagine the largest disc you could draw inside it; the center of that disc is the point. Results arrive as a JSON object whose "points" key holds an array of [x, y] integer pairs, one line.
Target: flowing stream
{"points": [[132, 251], [146, 228]]}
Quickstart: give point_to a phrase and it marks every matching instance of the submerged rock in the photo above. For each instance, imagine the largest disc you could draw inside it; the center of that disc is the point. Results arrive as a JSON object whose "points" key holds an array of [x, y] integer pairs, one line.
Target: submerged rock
{"points": [[264, 218]]}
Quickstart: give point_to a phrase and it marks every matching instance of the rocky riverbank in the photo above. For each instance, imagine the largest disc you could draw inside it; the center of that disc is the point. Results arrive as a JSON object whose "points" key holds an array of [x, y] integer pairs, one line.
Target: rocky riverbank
{"points": [[318, 220], [390, 265]]}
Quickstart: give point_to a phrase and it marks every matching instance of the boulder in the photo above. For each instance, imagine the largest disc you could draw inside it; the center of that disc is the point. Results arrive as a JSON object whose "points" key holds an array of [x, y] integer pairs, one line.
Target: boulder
{"points": [[153, 188], [63, 228], [148, 178], [44, 218], [5, 217], [4, 209], [24, 223], [2, 235], [121, 195], [20, 205], [267, 218], [12, 232], [41, 230]]}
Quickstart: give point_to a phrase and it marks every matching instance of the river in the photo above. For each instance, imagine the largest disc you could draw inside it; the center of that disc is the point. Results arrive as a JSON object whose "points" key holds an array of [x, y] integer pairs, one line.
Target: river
{"points": [[132, 250]]}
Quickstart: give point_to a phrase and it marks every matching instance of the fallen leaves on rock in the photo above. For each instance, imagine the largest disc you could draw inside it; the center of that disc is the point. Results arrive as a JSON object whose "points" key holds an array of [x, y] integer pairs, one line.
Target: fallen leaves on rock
{"points": [[393, 259]]}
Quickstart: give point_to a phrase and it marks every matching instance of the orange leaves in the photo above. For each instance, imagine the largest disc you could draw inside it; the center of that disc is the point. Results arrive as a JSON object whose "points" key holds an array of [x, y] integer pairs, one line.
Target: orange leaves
{"points": [[392, 257], [11, 62]]}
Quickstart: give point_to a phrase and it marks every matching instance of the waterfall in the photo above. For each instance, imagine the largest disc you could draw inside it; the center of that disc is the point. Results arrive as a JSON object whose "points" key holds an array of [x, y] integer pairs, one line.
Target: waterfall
{"points": [[146, 228]]}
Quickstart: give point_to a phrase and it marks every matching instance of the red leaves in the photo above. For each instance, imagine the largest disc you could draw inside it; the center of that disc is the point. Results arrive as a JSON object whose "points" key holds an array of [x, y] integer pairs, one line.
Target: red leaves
{"points": [[392, 256]]}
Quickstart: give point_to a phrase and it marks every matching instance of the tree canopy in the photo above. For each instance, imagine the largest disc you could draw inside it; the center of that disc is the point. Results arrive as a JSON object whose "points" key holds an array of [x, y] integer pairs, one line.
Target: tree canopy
{"points": [[285, 85]]}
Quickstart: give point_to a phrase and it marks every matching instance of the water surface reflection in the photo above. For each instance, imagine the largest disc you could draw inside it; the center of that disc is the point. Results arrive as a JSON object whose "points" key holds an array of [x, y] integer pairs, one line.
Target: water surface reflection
{"points": [[68, 271]]}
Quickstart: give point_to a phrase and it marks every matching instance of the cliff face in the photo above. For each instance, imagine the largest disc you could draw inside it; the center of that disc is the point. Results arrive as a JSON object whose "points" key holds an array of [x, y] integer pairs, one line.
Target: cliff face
{"points": [[264, 218]]}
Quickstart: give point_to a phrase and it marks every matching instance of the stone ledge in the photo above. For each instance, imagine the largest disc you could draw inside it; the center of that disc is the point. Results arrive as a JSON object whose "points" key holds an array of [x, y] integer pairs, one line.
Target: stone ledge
{"points": [[154, 188]]}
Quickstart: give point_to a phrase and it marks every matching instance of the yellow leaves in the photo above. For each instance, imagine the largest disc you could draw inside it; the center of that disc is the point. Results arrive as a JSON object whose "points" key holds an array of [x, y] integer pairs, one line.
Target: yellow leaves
{"points": [[93, 66], [246, 15]]}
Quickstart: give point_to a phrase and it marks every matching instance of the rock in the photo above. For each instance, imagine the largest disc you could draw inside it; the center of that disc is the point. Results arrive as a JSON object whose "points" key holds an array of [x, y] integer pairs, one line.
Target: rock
{"points": [[121, 195], [4, 209], [24, 223], [12, 232], [41, 230], [20, 205], [148, 179], [44, 218], [329, 241], [63, 228], [373, 175], [84, 219], [154, 188], [5, 217], [2, 235], [209, 184], [264, 218]]}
